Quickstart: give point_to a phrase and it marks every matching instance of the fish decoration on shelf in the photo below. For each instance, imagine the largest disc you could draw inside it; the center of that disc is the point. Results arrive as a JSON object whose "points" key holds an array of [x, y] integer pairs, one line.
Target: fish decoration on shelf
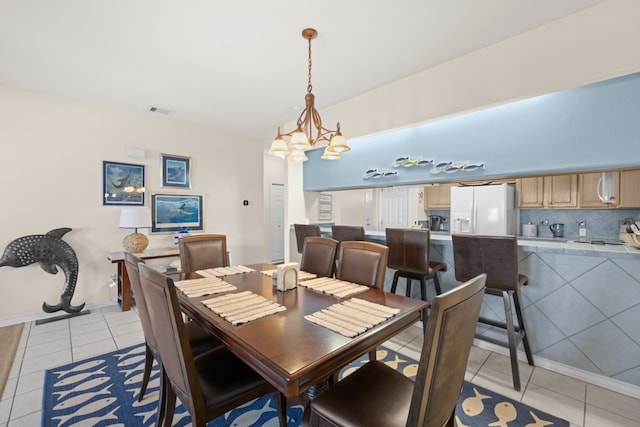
{"points": [[452, 167], [407, 162], [379, 173]]}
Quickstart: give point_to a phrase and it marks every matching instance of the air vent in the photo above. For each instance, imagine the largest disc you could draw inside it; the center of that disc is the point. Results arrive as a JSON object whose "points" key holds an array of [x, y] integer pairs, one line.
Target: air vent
{"points": [[162, 111]]}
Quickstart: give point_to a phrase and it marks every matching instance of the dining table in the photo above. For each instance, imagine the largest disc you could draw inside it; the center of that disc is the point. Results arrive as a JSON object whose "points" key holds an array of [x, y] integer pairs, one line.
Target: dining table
{"points": [[289, 351]]}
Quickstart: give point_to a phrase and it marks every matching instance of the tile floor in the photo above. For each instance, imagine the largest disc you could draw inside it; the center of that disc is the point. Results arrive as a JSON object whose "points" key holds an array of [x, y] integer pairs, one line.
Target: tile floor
{"points": [[107, 329]]}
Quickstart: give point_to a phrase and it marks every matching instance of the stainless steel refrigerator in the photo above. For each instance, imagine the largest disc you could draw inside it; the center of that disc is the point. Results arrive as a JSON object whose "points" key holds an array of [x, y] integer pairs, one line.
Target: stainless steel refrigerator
{"points": [[484, 209]]}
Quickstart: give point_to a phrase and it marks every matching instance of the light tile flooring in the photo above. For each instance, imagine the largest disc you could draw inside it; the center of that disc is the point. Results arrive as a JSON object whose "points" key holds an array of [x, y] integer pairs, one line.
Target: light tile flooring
{"points": [[107, 329]]}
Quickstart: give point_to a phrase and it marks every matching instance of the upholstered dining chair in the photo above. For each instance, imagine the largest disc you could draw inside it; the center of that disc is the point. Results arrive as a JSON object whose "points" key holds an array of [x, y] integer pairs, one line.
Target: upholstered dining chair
{"points": [[200, 340], [409, 257], [303, 231], [209, 385], [497, 256], [203, 251], [343, 233], [319, 256], [364, 263], [378, 395]]}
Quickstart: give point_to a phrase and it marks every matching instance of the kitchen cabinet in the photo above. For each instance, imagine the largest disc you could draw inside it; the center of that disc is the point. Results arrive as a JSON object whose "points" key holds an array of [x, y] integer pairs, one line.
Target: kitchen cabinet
{"points": [[530, 192], [437, 197], [588, 190], [557, 191], [561, 191], [630, 189]]}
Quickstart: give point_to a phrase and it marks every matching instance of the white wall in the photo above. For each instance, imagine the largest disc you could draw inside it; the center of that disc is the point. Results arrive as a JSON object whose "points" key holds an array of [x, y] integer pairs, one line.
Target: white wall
{"points": [[52, 177], [596, 44]]}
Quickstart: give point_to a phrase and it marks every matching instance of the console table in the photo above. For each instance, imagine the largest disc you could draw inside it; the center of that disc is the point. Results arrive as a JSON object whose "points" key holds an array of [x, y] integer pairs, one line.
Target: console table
{"points": [[124, 286]]}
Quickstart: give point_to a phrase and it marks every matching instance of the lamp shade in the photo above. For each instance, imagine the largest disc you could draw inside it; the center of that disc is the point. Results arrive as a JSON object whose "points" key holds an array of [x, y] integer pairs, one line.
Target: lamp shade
{"points": [[135, 218]]}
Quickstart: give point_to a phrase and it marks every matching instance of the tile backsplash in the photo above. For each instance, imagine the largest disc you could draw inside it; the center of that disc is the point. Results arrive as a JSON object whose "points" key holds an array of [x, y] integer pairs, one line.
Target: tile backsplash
{"points": [[601, 223]]}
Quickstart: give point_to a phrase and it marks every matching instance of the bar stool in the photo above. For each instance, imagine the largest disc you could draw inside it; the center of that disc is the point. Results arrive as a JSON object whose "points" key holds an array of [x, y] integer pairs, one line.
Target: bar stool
{"points": [[342, 233], [305, 230], [497, 256], [409, 256]]}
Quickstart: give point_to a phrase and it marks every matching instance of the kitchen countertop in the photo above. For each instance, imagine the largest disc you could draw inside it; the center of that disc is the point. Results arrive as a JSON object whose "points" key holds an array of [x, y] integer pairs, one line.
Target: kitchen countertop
{"points": [[538, 244]]}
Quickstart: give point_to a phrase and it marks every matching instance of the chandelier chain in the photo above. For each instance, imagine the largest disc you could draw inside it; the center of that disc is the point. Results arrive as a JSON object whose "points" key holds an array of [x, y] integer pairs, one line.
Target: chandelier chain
{"points": [[309, 86]]}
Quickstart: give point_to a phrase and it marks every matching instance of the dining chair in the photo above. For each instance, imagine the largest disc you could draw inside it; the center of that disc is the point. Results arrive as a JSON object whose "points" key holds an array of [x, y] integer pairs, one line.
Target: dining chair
{"points": [[497, 256], [319, 256], [378, 395], [409, 257], [209, 385], [303, 231], [200, 340], [203, 251], [363, 263]]}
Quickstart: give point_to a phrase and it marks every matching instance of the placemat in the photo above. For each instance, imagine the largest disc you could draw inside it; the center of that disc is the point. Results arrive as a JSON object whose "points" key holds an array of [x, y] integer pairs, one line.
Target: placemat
{"points": [[205, 286], [242, 307], [353, 317], [302, 275], [225, 271], [334, 287]]}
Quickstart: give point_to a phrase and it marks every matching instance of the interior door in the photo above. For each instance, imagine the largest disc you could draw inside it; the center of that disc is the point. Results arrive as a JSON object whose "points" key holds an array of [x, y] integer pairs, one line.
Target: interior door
{"points": [[276, 223], [394, 204]]}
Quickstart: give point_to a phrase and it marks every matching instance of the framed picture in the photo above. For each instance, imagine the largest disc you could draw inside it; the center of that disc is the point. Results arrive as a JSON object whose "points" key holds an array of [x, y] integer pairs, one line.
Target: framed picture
{"points": [[324, 216], [326, 198], [173, 212], [325, 207], [122, 184], [176, 171]]}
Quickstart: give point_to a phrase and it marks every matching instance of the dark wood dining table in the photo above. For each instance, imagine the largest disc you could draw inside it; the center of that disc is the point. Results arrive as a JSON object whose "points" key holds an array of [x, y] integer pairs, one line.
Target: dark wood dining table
{"points": [[294, 354]]}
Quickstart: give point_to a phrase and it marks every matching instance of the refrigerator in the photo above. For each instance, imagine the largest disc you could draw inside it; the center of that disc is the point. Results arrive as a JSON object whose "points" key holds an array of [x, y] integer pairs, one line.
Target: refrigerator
{"points": [[484, 209]]}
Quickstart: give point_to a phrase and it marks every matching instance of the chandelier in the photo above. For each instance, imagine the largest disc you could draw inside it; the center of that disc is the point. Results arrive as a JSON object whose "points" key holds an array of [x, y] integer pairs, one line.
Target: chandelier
{"points": [[309, 130]]}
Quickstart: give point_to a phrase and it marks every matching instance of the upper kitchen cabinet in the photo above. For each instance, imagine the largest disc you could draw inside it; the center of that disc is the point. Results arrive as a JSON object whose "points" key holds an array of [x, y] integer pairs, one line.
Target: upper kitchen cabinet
{"points": [[530, 192], [630, 189], [437, 197], [589, 184], [558, 191], [561, 191]]}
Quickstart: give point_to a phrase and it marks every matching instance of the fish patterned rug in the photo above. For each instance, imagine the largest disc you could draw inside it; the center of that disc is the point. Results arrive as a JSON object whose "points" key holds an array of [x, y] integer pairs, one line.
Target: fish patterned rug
{"points": [[103, 391]]}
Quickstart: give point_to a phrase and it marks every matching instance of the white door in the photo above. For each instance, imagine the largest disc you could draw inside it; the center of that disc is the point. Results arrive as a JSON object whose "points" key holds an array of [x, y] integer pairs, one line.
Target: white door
{"points": [[394, 204], [276, 223]]}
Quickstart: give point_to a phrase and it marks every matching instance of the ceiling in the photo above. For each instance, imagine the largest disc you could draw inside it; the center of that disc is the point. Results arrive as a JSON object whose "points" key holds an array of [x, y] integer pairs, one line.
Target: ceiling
{"points": [[240, 66]]}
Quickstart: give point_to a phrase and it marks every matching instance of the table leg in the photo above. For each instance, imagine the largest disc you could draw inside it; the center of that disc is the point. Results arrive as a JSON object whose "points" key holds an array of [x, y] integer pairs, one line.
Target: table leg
{"points": [[124, 287]]}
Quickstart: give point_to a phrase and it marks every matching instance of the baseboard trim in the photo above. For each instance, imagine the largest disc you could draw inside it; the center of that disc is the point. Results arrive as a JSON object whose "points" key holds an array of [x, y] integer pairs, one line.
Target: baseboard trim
{"points": [[42, 316]]}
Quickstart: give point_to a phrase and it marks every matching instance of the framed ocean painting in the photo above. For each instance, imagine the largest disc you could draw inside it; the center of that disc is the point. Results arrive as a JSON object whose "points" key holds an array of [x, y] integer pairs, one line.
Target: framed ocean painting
{"points": [[174, 212], [122, 184], [176, 171]]}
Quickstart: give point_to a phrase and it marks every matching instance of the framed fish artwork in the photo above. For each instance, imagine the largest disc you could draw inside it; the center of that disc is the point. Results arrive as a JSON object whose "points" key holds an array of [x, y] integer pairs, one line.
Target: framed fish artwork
{"points": [[122, 184], [176, 171], [175, 212]]}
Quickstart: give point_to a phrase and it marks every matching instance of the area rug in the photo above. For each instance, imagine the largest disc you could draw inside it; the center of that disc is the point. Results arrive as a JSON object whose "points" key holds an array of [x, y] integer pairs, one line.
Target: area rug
{"points": [[10, 338], [103, 391]]}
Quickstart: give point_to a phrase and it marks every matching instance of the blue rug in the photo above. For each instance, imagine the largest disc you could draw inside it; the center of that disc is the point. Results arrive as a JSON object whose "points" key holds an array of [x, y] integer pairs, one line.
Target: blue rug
{"points": [[103, 391]]}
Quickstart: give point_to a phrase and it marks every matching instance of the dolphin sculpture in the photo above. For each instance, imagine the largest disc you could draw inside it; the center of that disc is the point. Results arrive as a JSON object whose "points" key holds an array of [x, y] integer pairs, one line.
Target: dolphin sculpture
{"points": [[49, 250]]}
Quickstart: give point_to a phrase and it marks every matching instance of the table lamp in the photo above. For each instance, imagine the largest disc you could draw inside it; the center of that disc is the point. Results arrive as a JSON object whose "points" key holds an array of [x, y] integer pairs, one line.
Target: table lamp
{"points": [[135, 218]]}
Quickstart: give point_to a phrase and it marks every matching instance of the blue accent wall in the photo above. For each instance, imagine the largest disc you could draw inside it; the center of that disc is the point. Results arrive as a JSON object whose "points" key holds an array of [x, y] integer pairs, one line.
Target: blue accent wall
{"points": [[586, 128]]}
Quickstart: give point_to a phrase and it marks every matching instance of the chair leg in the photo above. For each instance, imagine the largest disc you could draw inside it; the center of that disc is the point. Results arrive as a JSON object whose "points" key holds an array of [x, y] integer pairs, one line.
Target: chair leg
{"points": [[162, 398], [423, 295], [372, 355], [511, 335], [436, 283], [408, 290], [394, 284], [148, 363], [281, 406], [525, 338]]}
